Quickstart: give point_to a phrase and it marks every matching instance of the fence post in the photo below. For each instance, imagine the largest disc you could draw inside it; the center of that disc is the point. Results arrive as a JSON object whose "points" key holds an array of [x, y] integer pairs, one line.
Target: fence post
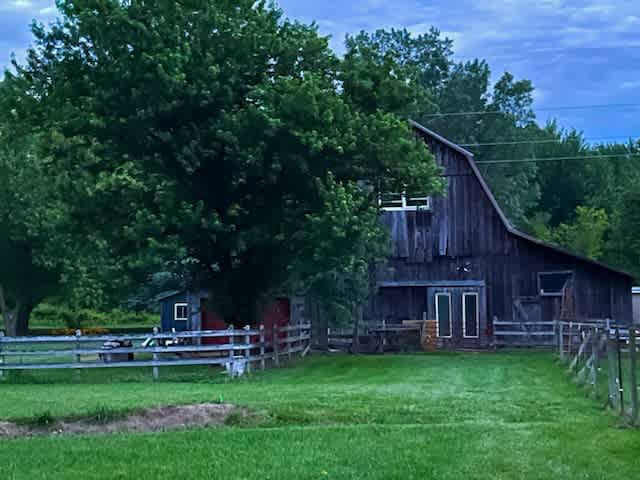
{"points": [[262, 362], [289, 337], [77, 344], [155, 370], [276, 344], [620, 384], [595, 355], [633, 374], [231, 351], [570, 340], [561, 340], [247, 350], [1, 357], [611, 364]]}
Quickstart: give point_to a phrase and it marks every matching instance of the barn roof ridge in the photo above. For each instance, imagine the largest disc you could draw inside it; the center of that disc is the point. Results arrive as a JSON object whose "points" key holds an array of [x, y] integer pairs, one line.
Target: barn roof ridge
{"points": [[507, 224]]}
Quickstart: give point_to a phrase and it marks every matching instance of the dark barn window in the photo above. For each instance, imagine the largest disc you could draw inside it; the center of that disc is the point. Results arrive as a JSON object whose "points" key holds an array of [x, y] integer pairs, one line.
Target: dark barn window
{"points": [[470, 315], [552, 283], [443, 314]]}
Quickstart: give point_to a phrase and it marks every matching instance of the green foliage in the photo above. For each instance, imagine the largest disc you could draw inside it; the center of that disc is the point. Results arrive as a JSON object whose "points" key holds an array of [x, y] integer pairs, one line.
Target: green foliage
{"points": [[104, 414], [44, 419], [57, 316], [624, 247], [339, 245], [201, 135], [33, 241], [585, 235]]}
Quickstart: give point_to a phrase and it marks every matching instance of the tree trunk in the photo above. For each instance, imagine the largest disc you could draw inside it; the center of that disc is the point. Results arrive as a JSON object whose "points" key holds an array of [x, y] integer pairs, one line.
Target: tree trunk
{"points": [[22, 323], [355, 342], [16, 318]]}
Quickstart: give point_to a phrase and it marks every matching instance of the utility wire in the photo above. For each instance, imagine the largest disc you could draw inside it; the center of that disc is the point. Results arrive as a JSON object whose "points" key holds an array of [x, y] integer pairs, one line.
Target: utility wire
{"points": [[557, 140], [553, 159], [542, 109]]}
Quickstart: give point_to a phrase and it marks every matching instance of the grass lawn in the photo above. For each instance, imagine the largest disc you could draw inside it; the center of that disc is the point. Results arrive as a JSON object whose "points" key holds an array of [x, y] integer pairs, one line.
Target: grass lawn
{"points": [[446, 416]]}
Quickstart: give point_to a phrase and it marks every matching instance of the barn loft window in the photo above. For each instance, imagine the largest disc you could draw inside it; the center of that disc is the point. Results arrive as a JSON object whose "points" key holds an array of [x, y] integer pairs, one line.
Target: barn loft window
{"points": [[180, 313], [404, 202], [470, 315], [551, 284], [443, 314]]}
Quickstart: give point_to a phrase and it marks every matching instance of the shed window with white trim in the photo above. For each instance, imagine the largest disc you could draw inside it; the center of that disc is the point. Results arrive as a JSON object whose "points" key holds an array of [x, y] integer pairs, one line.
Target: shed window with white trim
{"points": [[180, 312], [470, 315], [443, 314]]}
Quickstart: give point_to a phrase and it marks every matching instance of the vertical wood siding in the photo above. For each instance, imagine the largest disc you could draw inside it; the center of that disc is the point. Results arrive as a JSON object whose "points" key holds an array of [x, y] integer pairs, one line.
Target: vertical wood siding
{"points": [[464, 230]]}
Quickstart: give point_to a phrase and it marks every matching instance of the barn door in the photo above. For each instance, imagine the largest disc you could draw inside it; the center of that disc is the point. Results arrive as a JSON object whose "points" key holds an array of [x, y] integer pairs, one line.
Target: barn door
{"points": [[460, 314]]}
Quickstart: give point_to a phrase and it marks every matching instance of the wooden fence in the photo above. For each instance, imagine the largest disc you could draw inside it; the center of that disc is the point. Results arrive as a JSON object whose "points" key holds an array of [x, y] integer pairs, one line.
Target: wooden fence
{"points": [[604, 358], [523, 334], [247, 346]]}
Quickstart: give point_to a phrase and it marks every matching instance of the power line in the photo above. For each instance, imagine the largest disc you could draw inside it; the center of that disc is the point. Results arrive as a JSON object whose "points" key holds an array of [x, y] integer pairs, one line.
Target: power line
{"points": [[553, 159], [541, 109], [556, 140]]}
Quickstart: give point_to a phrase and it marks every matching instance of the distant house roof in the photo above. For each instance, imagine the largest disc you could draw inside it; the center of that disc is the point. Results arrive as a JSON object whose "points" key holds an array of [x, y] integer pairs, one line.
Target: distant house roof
{"points": [[485, 187]]}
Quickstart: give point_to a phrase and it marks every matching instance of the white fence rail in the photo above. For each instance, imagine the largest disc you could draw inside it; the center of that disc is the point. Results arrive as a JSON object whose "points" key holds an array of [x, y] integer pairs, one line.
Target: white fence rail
{"points": [[246, 346]]}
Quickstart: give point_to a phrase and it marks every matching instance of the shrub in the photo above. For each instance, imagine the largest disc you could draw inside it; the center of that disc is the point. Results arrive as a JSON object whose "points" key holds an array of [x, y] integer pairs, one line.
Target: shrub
{"points": [[49, 315]]}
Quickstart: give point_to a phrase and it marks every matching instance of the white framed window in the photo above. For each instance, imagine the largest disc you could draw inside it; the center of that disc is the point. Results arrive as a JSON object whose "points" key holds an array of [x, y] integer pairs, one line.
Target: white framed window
{"points": [[470, 315], [390, 202], [443, 314], [180, 312]]}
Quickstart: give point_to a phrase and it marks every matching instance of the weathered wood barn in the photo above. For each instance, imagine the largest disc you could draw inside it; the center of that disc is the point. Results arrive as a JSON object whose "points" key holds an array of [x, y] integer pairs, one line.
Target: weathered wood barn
{"points": [[457, 259]]}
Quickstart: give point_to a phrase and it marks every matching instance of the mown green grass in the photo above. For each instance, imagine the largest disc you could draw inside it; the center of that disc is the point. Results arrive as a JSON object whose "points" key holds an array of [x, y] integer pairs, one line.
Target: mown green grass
{"points": [[476, 416]]}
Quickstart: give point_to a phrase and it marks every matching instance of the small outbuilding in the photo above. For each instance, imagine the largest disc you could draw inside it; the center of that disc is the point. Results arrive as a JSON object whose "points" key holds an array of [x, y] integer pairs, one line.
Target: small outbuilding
{"points": [[183, 310]]}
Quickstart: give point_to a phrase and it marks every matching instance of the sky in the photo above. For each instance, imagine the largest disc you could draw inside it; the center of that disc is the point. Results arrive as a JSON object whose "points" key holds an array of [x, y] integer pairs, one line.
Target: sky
{"points": [[576, 52]]}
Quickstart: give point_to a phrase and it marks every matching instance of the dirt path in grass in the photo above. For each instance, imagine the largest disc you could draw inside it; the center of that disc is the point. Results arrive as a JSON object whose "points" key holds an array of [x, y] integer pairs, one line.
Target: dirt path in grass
{"points": [[148, 420]]}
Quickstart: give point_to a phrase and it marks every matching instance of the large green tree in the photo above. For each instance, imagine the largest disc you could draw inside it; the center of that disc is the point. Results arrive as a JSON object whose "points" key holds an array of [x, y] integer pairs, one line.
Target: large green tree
{"points": [[205, 133], [31, 247]]}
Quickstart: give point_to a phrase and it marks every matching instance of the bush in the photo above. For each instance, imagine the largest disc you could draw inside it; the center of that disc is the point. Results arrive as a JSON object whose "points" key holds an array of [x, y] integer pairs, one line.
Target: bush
{"points": [[57, 316]]}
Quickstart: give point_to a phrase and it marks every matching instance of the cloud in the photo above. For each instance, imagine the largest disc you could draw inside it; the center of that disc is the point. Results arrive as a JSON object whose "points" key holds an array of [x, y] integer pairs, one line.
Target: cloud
{"points": [[576, 52], [631, 85]]}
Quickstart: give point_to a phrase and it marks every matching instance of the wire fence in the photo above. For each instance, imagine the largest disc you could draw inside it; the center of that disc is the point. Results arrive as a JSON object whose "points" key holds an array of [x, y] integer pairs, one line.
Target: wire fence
{"points": [[604, 358]]}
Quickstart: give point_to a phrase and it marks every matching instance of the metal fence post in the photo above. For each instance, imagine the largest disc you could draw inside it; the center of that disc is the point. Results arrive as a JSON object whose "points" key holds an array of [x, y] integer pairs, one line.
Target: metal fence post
{"points": [[633, 374], [1, 356], [247, 350], [155, 370], [262, 362], [276, 345], [561, 339], [289, 343]]}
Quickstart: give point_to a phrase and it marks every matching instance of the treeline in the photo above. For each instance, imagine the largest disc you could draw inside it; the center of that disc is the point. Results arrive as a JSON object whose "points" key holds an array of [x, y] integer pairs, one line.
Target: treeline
{"points": [[228, 147]]}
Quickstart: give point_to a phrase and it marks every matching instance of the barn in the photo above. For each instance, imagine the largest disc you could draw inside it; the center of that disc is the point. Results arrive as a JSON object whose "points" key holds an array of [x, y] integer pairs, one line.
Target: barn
{"points": [[457, 259]]}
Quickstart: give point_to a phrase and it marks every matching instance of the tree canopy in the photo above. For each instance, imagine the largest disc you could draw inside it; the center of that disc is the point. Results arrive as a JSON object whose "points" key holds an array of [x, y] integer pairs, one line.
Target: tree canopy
{"points": [[212, 135]]}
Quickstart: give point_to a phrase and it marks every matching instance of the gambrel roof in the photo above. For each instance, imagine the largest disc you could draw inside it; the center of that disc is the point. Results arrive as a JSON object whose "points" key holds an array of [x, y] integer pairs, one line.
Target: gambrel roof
{"points": [[507, 224]]}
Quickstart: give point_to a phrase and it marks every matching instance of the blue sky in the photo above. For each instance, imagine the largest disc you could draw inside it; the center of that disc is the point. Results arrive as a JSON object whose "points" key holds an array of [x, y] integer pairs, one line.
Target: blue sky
{"points": [[577, 52]]}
